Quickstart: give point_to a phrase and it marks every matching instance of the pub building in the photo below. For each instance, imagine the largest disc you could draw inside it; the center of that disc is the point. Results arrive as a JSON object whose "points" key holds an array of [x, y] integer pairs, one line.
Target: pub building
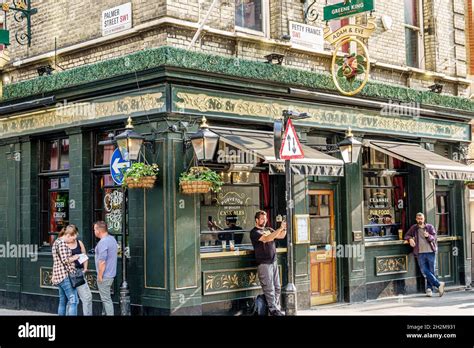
{"points": [[353, 215]]}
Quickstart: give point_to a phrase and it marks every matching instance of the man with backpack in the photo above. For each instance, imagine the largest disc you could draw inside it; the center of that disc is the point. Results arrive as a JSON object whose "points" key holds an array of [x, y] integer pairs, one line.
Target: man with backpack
{"points": [[263, 241]]}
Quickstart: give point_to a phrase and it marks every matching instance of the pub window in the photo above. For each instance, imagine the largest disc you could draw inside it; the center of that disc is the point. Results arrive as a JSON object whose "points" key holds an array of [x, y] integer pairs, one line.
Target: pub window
{"points": [[55, 155], [413, 32], [54, 188], [107, 196], [229, 215], [251, 15], [385, 195], [442, 215]]}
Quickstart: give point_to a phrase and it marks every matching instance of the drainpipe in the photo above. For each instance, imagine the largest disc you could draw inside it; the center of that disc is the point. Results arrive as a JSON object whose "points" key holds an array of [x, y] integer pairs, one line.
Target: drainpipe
{"points": [[201, 26]]}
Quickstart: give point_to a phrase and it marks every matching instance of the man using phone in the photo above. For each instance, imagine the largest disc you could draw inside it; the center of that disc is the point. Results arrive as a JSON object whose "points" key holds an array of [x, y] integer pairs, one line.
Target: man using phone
{"points": [[263, 241], [422, 238]]}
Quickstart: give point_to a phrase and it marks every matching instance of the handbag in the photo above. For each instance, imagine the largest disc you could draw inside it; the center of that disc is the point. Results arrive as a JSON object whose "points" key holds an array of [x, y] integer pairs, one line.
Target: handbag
{"points": [[77, 277]]}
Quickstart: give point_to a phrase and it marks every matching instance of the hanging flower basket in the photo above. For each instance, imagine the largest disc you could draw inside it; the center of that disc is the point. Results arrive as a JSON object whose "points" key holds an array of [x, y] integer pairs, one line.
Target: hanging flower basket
{"points": [[140, 175], [146, 182], [190, 187], [470, 185], [200, 180]]}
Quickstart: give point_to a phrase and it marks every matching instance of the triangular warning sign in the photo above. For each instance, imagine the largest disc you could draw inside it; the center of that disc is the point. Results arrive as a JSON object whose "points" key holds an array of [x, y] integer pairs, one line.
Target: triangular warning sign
{"points": [[290, 146]]}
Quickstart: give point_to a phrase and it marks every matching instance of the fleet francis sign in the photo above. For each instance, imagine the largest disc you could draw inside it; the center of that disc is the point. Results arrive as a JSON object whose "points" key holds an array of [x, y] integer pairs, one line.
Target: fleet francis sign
{"points": [[347, 8], [117, 19]]}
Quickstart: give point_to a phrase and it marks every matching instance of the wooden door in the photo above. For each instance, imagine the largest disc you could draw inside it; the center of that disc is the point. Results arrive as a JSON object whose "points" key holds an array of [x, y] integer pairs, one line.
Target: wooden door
{"points": [[322, 248]]}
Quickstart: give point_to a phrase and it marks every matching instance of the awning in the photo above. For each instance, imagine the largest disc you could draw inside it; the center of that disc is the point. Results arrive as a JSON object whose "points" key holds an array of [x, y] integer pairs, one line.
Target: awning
{"points": [[438, 167], [260, 144]]}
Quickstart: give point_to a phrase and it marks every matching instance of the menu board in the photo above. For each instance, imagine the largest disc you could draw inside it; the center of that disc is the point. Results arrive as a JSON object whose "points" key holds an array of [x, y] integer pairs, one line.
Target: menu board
{"points": [[301, 229]]}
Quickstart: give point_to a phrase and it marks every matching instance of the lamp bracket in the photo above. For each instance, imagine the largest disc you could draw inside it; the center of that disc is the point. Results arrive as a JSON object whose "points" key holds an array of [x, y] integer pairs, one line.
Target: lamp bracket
{"points": [[328, 148]]}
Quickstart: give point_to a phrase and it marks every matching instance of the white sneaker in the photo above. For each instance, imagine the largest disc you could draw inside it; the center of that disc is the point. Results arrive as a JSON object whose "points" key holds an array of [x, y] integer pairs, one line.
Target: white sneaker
{"points": [[429, 292], [441, 289]]}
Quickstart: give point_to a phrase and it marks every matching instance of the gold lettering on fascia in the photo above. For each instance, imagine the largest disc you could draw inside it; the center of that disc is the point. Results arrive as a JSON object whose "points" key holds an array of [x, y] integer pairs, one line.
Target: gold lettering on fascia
{"points": [[74, 113], [322, 116]]}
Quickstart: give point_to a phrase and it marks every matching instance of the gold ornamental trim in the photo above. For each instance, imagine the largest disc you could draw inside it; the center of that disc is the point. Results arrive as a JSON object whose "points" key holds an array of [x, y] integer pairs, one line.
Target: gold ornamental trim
{"points": [[69, 114], [350, 31], [234, 105], [353, 64]]}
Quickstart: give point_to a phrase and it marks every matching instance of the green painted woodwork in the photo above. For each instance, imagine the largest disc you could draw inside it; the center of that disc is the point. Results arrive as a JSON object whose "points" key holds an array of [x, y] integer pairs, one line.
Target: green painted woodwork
{"points": [[445, 263], [233, 67], [3, 217], [155, 241], [231, 265], [80, 206], [186, 226], [371, 253], [13, 270]]}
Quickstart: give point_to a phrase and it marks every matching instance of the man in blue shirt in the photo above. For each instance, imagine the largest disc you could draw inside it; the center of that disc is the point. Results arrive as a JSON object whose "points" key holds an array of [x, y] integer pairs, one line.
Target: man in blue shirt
{"points": [[105, 264]]}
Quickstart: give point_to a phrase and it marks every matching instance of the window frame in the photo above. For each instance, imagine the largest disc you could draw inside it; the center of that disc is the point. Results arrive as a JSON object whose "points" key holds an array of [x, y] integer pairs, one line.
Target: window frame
{"points": [[44, 175], [444, 191], [265, 33], [420, 42], [97, 171], [42, 151]]}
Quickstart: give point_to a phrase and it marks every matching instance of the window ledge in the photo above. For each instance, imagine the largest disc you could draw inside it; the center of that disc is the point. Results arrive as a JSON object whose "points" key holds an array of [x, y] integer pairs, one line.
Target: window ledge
{"points": [[384, 242], [448, 238], [234, 253]]}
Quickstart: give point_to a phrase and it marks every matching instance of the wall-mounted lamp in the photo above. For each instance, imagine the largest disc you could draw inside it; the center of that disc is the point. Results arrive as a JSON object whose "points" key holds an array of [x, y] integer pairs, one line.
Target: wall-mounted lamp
{"points": [[436, 88], [45, 69], [274, 58], [129, 142], [387, 22], [349, 148], [204, 142]]}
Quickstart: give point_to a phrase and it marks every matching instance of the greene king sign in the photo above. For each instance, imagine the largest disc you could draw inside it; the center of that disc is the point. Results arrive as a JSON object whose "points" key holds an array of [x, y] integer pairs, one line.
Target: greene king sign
{"points": [[347, 8]]}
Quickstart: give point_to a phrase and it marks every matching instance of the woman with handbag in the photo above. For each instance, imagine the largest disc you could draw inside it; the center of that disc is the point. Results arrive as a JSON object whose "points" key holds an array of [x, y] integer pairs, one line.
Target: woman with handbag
{"points": [[63, 268], [77, 247]]}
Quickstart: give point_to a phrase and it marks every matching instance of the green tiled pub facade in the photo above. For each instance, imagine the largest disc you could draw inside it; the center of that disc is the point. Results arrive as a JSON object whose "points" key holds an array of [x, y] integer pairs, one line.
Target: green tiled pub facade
{"points": [[169, 271]]}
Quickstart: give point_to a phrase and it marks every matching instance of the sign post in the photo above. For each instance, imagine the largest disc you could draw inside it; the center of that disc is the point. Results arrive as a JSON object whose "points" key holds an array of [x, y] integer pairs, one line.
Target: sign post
{"points": [[117, 166], [290, 149]]}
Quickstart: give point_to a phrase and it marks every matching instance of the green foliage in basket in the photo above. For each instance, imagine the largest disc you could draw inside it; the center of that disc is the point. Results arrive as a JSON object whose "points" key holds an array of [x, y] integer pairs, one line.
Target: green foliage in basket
{"points": [[139, 170], [203, 174]]}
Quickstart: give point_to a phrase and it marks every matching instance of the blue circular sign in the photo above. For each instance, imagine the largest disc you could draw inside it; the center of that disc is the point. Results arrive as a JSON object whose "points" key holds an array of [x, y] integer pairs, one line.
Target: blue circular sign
{"points": [[117, 166]]}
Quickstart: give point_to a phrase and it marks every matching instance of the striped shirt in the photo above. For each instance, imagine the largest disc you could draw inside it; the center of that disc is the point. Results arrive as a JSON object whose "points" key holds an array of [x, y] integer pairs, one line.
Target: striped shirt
{"points": [[61, 266]]}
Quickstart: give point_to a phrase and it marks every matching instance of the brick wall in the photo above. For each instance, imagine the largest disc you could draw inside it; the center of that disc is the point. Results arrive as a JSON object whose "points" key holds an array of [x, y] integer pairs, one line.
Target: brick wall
{"points": [[79, 22], [470, 36]]}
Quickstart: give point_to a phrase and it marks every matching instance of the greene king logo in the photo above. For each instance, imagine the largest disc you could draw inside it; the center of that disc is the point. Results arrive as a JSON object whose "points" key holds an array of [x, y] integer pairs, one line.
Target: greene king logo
{"points": [[37, 331]]}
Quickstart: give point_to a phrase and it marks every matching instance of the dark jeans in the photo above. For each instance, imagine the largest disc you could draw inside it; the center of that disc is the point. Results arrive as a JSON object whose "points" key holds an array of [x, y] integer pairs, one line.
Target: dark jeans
{"points": [[426, 261]]}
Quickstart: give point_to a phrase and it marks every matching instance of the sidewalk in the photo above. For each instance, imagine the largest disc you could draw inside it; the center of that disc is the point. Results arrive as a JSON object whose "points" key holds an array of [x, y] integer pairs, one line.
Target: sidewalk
{"points": [[454, 302], [6, 312]]}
